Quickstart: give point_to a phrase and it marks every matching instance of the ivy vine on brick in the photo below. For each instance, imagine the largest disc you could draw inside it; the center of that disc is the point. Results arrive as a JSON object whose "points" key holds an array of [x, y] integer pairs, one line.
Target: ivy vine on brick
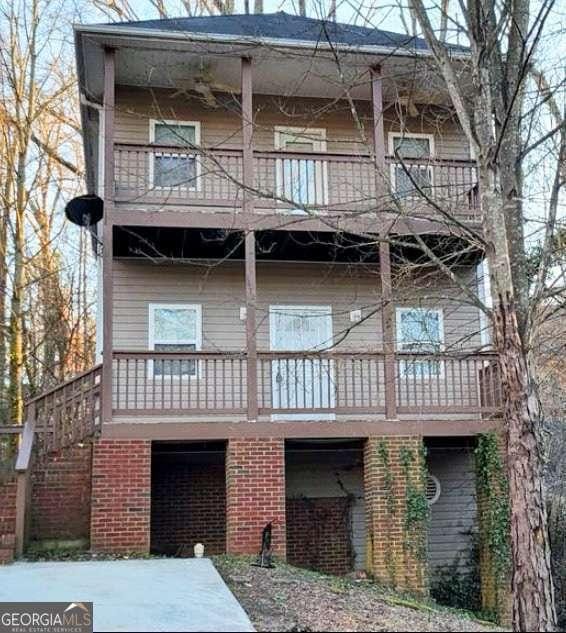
{"points": [[494, 502]]}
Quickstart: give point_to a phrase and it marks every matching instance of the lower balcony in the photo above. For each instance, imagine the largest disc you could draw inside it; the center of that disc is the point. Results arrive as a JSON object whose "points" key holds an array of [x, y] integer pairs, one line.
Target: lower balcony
{"points": [[304, 386]]}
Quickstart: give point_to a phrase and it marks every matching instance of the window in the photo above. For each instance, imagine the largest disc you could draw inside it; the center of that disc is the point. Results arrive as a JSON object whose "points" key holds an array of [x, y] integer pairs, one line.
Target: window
{"points": [[420, 330], [170, 168], [175, 328], [411, 174]]}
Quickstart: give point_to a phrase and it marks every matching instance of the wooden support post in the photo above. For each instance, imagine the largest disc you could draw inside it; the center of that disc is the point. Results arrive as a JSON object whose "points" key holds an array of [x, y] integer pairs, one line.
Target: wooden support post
{"points": [[107, 295], [247, 134], [387, 310], [388, 328], [251, 330], [23, 465], [250, 248], [378, 134]]}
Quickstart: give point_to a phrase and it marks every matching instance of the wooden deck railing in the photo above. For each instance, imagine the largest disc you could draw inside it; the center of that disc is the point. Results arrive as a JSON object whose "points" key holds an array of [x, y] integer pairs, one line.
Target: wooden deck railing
{"points": [[290, 181], [56, 419], [69, 412], [179, 382], [294, 383]]}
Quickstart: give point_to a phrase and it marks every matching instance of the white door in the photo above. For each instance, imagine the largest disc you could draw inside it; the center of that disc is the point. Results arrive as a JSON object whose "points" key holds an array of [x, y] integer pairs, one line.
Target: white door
{"points": [[302, 179], [298, 383]]}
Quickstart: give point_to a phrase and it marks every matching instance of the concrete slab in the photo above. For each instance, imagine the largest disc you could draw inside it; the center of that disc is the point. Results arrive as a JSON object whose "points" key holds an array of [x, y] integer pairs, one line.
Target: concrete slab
{"points": [[133, 595]]}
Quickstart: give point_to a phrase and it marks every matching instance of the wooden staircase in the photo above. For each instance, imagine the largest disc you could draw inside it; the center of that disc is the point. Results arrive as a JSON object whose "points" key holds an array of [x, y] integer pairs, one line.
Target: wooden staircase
{"points": [[57, 419]]}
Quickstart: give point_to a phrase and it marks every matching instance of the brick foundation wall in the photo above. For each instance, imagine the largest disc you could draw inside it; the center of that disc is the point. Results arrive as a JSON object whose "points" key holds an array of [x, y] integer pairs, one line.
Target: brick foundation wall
{"points": [[121, 496], [188, 506], [392, 548], [61, 495], [255, 494], [7, 519], [319, 534]]}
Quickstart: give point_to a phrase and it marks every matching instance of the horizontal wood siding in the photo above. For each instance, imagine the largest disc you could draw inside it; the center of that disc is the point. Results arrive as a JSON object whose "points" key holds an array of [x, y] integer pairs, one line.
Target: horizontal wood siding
{"points": [[220, 290], [221, 126], [453, 518]]}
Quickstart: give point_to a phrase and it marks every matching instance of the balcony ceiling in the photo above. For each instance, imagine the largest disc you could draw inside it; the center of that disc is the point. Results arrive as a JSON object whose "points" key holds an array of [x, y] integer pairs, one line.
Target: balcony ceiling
{"points": [[294, 72]]}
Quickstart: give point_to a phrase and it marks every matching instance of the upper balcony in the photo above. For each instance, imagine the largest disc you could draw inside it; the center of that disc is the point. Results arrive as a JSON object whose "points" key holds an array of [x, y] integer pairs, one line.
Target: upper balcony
{"points": [[249, 114], [312, 183]]}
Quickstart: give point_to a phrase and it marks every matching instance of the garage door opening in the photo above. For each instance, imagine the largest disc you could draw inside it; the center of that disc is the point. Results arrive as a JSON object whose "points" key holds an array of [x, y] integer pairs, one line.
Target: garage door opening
{"points": [[453, 527], [325, 505], [188, 498]]}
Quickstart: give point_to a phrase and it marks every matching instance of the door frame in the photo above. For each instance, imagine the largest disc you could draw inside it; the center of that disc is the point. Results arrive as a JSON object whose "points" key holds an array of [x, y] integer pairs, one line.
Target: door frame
{"points": [[295, 307], [321, 148], [327, 309]]}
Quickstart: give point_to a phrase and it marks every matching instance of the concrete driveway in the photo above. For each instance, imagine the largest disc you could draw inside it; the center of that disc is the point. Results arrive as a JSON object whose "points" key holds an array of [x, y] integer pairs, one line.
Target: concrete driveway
{"points": [[133, 595]]}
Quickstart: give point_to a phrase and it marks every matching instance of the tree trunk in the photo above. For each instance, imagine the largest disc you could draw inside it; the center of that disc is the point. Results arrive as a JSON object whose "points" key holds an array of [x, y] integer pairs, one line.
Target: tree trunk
{"points": [[16, 334], [532, 586]]}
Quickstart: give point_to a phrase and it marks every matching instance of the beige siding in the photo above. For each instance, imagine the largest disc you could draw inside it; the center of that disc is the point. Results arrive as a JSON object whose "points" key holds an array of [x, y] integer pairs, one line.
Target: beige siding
{"points": [[220, 291], [453, 518], [221, 126]]}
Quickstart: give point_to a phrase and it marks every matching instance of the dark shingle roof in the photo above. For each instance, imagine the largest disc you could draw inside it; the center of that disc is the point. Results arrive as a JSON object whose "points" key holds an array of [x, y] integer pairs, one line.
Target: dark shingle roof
{"points": [[285, 26]]}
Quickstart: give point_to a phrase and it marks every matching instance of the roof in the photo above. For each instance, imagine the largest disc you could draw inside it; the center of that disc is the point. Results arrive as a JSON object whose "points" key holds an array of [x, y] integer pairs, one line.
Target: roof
{"points": [[284, 26]]}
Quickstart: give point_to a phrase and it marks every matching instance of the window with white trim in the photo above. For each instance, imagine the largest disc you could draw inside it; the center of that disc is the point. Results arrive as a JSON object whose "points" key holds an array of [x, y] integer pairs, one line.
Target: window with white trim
{"points": [[420, 330], [171, 168], [175, 328], [410, 173]]}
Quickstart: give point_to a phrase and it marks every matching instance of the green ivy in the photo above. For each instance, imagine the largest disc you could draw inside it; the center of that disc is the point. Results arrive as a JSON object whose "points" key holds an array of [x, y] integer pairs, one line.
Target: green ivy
{"points": [[416, 505], [383, 454], [493, 488], [385, 462]]}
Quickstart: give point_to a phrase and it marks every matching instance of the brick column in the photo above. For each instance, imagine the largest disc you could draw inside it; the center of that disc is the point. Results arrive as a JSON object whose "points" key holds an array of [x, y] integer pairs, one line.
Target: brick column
{"points": [[495, 585], [255, 494], [396, 554], [7, 519], [121, 496]]}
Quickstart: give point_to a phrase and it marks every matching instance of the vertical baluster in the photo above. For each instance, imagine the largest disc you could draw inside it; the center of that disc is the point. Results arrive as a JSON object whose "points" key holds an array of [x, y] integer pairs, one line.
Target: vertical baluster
{"points": [[330, 381], [417, 382], [346, 369], [353, 364], [337, 394], [206, 386], [319, 381], [287, 383], [198, 379], [223, 382], [233, 373], [438, 375], [370, 366]]}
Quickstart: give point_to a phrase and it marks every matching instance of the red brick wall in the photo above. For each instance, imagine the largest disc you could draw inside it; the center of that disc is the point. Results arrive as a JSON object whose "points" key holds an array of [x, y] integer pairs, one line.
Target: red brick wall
{"points": [[121, 496], [60, 498], [188, 506], [255, 494], [390, 549], [7, 519], [319, 535]]}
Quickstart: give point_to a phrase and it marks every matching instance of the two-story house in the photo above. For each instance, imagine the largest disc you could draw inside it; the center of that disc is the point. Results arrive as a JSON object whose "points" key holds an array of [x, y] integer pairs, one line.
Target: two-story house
{"points": [[274, 345]]}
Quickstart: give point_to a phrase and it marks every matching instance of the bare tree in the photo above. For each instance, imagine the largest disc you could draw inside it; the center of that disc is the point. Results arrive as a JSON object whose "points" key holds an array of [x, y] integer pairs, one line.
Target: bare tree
{"points": [[40, 166], [503, 42]]}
